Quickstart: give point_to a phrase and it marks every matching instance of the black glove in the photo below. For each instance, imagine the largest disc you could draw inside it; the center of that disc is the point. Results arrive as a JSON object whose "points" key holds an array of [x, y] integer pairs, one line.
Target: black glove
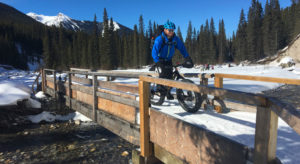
{"points": [[152, 67], [188, 63]]}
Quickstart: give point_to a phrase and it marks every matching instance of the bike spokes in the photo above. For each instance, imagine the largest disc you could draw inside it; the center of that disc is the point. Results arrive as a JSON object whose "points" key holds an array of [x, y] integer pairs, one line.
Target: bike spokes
{"points": [[188, 100]]}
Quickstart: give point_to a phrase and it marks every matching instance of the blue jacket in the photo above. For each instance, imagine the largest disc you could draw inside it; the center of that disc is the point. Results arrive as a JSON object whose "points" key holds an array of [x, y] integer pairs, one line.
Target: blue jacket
{"points": [[168, 49]]}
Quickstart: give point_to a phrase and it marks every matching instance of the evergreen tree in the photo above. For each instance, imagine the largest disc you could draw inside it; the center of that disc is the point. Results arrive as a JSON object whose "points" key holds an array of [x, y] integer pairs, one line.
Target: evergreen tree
{"points": [[46, 51], [212, 51], [135, 47], [188, 39], [297, 19], [142, 43], [222, 47], [106, 59], [240, 43], [94, 44], [254, 31]]}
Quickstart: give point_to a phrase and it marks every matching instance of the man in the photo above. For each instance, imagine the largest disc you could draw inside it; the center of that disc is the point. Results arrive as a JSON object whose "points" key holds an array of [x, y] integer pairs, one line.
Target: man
{"points": [[163, 51]]}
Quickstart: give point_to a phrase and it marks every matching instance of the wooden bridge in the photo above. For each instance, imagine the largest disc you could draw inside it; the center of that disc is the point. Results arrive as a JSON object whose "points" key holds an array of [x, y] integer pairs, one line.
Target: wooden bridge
{"points": [[124, 110]]}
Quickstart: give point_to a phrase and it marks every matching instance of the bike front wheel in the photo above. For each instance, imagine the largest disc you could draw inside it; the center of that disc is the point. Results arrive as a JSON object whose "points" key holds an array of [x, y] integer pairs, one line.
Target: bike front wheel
{"points": [[157, 94], [188, 100]]}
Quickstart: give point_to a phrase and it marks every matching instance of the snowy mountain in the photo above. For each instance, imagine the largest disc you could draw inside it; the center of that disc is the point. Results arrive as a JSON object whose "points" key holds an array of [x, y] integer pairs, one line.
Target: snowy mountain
{"points": [[59, 19], [75, 25]]}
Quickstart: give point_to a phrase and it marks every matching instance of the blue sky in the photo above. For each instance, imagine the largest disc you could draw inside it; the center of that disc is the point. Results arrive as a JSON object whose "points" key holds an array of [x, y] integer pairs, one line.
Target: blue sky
{"points": [[127, 12]]}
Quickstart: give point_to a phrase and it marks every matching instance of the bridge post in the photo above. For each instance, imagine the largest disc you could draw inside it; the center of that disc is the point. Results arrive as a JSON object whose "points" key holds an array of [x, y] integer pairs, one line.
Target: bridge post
{"points": [[55, 85], [146, 146], [218, 84], [95, 104], [43, 80], [70, 90], [265, 135]]}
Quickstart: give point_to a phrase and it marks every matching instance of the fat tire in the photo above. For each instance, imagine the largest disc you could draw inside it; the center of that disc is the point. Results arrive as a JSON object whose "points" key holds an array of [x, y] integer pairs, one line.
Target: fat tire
{"points": [[198, 100], [153, 91]]}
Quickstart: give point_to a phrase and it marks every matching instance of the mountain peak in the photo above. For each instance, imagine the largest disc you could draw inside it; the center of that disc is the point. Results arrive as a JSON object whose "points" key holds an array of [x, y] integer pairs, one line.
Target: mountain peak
{"points": [[59, 19]]}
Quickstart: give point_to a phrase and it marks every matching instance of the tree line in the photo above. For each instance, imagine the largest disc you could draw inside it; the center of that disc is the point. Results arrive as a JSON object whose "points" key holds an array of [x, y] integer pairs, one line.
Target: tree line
{"points": [[259, 34]]}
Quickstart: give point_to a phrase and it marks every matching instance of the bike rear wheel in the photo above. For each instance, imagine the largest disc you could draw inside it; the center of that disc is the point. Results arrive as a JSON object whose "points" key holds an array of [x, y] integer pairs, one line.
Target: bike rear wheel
{"points": [[188, 100], [157, 95]]}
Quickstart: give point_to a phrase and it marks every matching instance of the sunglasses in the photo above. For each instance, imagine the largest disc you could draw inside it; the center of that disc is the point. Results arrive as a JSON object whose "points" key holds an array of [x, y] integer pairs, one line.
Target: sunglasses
{"points": [[170, 30]]}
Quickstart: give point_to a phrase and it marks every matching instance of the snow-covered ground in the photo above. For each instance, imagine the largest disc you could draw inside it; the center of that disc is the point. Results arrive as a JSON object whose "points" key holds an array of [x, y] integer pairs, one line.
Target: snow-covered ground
{"points": [[238, 126]]}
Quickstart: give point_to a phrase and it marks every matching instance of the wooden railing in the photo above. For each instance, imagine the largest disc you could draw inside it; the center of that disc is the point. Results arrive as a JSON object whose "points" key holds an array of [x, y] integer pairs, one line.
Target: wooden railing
{"points": [[268, 110]]}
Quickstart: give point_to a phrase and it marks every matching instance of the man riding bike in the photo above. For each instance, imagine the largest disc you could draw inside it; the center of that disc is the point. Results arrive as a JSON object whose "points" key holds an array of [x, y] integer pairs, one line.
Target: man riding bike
{"points": [[163, 51]]}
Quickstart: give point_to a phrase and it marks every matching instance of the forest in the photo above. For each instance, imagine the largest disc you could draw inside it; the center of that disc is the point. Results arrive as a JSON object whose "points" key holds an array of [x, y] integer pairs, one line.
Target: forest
{"points": [[260, 33]]}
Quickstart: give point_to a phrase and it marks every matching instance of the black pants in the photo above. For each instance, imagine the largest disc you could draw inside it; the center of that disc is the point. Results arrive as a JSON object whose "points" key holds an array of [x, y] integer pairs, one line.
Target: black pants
{"points": [[166, 71]]}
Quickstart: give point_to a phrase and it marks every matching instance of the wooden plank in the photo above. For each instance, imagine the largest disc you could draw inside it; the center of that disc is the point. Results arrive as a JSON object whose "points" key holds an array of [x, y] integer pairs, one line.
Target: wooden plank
{"points": [[82, 80], [85, 98], [218, 82], [80, 69], [247, 98], [50, 84], [80, 107], [194, 144], [49, 70], [260, 78], [146, 147], [119, 99], [165, 156], [120, 94], [265, 136], [122, 111], [95, 98], [137, 158], [239, 107], [49, 91], [50, 79], [126, 130], [89, 90], [82, 88], [119, 86], [286, 112]]}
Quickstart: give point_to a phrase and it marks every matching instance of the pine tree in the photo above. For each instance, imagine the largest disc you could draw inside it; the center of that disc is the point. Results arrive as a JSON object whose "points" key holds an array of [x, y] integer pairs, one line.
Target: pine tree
{"points": [[142, 43], [95, 56], [188, 39], [254, 31], [297, 19], [106, 59], [212, 51], [135, 47], [46, 50], [240, 42], [222, 47]]}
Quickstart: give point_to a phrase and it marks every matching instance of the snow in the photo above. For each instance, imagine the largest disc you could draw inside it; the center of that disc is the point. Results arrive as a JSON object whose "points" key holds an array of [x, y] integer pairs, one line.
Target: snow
{"points": [[12, 92], [51, 117], [53, 20], [238, 126], [40, 95], [116, 25], [284, 60]]}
